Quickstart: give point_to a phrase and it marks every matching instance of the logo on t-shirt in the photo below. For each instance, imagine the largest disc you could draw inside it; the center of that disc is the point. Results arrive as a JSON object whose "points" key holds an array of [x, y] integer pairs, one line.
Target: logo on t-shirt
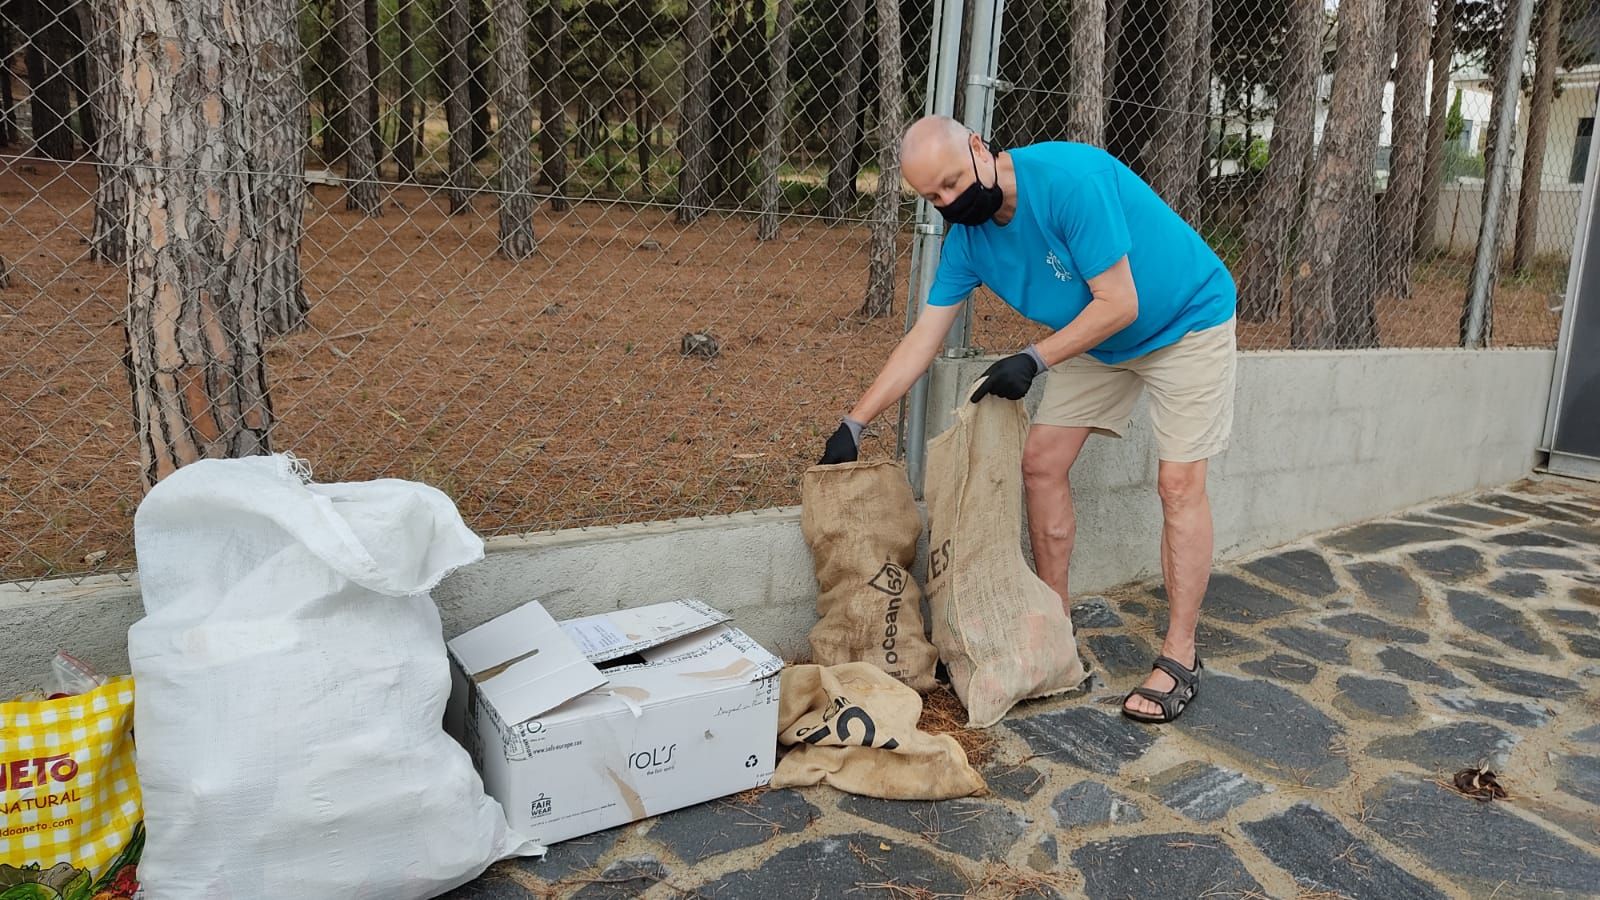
{"points": [[1060, 268]]}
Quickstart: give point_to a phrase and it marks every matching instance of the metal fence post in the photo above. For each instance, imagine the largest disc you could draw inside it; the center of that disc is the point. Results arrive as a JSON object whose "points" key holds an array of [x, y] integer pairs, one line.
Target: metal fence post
{"points": [[1510, 96], [983, 61], [944, 57]]}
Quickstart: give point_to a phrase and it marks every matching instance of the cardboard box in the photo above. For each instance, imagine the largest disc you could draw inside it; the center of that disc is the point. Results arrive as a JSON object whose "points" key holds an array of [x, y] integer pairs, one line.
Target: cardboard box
{"points": [[595, 722]]}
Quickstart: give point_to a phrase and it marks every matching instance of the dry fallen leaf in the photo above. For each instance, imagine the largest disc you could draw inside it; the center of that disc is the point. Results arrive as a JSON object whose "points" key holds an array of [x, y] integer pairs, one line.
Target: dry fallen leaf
{"points": [[883, 846], [1479, 784]]}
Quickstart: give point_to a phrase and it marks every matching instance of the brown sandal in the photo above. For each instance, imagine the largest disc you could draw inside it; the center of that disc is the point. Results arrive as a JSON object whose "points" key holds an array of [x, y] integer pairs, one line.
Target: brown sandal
{"points": [[1172, 702]]}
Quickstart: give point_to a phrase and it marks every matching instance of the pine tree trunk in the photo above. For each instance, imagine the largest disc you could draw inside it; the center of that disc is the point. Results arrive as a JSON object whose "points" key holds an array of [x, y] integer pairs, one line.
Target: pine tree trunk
{"points": [[108, 240], [90, 44], [719, 113], [369, 14], [86, 72], [405, 145], [478, 64], [277, 130], [361, 175], [329, 68], [863, 153], [194, 355], [1031, 17], [882, 249], [585, 133], [1341, 166], [8, 104], [1355, 291], [49, 86], [694, 125], [743, 80], [1170, 173], [1267, 235], [608, 145], [553, 110], [1443, 49], [641, 117], [1199, 113], [841, 169], [458, 118], [1116, 13], [1397, 211], [777, 122], [1544, 89], [752, 131], [1134, 104], [516, 129], [1086, 107]]}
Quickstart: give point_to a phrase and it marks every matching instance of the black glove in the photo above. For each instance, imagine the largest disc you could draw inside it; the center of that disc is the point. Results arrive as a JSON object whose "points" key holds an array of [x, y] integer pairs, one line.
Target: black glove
{"points": [[841, 448], [1009, 378]]}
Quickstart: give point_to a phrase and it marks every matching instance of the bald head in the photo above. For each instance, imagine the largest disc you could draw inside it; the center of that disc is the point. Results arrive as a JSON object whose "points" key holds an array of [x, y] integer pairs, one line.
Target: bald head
{"points": [[939, 156], [935, 135]]}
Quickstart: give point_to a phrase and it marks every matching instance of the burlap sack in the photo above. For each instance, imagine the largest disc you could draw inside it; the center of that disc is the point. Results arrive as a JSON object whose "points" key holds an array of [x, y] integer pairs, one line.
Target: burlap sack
{"points": [[1001, 631], [855, 728], [862, 526]]}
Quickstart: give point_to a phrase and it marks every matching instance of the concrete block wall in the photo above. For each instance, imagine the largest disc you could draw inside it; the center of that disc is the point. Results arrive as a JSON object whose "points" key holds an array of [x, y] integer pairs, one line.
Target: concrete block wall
{"points": [[1320, 440], [754, 566]]}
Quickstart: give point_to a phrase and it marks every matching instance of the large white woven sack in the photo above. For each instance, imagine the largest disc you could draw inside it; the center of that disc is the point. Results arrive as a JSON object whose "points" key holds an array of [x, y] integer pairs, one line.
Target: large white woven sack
{"points": [[290, 678]]}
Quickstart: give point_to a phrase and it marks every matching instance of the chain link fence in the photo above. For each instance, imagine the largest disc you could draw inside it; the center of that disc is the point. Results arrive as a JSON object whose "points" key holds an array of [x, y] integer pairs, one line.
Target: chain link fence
{"points": [[579, 263], [1226, 108], [561, 329]]}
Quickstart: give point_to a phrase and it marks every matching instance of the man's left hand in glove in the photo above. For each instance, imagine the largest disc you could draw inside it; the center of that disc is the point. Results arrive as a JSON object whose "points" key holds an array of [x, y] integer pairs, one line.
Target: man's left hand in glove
{"points": [[1011, 377]]}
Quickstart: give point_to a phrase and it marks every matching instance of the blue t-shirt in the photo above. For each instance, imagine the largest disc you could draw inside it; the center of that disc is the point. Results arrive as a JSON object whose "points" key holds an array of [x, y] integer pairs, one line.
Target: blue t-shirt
{"points": [[1079, 210]]}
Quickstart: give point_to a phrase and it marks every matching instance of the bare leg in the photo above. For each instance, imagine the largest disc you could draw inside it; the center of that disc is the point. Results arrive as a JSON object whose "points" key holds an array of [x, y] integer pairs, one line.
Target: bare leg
{"points": [[1046, 461], [1186, 544]]}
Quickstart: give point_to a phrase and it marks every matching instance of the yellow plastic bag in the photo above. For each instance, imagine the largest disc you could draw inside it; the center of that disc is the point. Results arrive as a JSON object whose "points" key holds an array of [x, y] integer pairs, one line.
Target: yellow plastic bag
{"points": [[70, 815]]}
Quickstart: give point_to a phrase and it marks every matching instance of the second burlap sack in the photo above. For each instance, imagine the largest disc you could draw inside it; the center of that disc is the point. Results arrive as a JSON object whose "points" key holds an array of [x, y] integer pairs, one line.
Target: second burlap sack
{"points": [[862, 525], [854, 727], [1000, 630]]}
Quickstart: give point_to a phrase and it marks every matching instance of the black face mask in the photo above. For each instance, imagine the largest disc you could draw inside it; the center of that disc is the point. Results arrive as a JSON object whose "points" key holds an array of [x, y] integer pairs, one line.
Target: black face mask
{"points": [[979, 202]]}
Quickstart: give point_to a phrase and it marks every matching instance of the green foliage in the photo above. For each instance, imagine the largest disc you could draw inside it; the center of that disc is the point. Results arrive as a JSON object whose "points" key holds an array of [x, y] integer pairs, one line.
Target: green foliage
{"points": [[1459, 163], [1480, 25], [1256, 157], [1226, 240], [1252, 157], [1454, 123]]}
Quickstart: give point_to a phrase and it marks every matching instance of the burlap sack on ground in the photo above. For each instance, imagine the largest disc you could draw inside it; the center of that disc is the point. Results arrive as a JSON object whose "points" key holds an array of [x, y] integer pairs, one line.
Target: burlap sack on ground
{"points": [[1001, 631], [862, 525], [854, 727]]}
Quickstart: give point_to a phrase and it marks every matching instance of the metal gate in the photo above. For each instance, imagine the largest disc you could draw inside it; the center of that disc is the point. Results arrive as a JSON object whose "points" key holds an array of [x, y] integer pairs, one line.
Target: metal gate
{"points": [[1572, 424]]}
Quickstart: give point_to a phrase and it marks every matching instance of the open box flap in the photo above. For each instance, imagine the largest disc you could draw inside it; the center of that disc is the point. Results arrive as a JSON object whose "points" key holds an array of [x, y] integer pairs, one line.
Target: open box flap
{"points": [[607, 636], [524, 664], [706, 661]]}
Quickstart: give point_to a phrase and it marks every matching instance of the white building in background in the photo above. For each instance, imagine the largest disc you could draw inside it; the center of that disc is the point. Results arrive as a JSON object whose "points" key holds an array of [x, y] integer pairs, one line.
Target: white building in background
{"points": [[1566, 156], [1567, 147], [1475, 108]]}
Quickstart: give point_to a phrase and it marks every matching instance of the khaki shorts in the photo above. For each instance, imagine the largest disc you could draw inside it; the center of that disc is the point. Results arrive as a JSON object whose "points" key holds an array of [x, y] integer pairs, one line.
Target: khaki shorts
{"points": [[1191, 394]]}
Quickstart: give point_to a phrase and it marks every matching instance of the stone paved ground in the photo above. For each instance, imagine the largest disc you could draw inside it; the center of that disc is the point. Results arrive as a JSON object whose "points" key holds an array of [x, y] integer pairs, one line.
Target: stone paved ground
{"points": [[1348, 677]]}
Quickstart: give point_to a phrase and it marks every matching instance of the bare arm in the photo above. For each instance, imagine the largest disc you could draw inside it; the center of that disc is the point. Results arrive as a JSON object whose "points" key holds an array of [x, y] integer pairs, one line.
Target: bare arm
{"points": [[909, 360], [1114, 306]]}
